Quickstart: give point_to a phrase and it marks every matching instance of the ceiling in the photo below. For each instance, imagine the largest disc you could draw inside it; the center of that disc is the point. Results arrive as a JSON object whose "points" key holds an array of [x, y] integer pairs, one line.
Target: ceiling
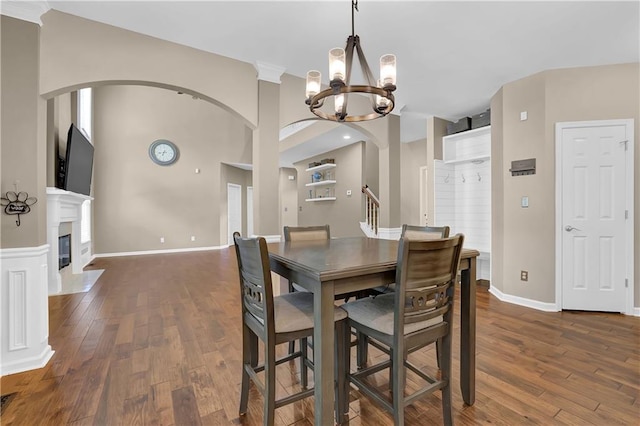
{"points": [[452, 56]]}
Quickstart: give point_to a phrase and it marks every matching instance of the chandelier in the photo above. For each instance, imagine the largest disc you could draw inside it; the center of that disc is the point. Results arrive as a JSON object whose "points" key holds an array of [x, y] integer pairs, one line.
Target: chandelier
{"points": [[340, 63]]}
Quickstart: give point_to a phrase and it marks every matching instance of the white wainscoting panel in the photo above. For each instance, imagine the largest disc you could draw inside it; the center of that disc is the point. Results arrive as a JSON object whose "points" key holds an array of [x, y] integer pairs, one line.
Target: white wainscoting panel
{"points": [[24, 309], [17, 309]]}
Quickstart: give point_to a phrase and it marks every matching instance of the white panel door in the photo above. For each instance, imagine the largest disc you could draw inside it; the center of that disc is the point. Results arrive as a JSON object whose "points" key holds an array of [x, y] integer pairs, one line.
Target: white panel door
{"points": [[593, 218], [234, 210]]}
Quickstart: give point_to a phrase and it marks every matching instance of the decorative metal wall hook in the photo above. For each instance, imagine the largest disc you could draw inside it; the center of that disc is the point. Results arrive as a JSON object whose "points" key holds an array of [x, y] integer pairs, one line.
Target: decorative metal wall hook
{"points": [[446, 180], [463, 179], [479, 177], [17, 203]]}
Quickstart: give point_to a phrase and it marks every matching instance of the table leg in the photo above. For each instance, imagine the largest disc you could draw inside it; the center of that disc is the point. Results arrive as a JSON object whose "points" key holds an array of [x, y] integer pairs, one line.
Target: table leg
{"points": [[323, 353], [468, 333]]}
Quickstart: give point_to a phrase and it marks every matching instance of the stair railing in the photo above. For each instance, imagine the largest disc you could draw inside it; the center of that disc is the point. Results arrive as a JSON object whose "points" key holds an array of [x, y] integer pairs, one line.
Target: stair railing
{"points": [[372, 209]]}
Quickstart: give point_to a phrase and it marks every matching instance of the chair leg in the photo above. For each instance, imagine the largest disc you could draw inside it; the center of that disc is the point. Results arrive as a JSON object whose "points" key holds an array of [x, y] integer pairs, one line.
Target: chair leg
{"points": [[397, 361], [269, 383], [248, 358], [292, 344], [445, 371], [304, 379], [362, 352], [342, 394], [438, 353]]}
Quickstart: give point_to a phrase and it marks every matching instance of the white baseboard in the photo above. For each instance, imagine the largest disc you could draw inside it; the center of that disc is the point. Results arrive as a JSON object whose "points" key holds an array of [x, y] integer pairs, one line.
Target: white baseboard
{"points": [[26, 364], [269, 238], [272, 238], [166, 251], [383, 233], [534, 304], [517, 300]]}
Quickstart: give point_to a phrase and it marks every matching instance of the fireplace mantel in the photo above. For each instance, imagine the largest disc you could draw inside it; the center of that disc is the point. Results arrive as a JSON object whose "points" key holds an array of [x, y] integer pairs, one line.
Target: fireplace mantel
{"points": [[63, 206]]}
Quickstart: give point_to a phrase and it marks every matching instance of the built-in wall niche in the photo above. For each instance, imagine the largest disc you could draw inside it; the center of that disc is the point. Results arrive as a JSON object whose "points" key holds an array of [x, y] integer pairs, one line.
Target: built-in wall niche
{"points": [[463, 191]]}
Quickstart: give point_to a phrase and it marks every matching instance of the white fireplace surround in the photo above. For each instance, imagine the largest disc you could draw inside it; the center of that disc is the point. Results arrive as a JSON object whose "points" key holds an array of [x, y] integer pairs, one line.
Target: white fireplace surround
{"points": [[63, 206]]}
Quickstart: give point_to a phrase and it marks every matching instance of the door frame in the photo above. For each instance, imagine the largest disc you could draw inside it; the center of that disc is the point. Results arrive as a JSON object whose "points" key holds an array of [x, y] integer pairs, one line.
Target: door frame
{"points": [[423, 178], [629, 201], [229, 232], [250, 211]]}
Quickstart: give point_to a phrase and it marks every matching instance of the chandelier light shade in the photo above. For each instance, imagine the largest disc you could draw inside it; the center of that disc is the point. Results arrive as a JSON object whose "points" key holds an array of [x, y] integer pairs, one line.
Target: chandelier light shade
{"points": [[340, 63]]}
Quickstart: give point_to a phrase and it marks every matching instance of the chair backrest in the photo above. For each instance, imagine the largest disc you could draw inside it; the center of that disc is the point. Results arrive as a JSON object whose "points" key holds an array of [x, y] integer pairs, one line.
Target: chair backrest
{"points": [[302, 233], [424, 232], [425, 278], [256, 289]]}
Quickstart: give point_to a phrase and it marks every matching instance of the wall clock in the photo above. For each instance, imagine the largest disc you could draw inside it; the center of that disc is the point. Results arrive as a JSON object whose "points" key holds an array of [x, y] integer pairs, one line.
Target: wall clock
{"points": [[163, 152]]}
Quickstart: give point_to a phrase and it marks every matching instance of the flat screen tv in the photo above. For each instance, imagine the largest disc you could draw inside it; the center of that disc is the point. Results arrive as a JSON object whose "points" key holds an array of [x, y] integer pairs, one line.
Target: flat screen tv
{"points": [[79, 162]]}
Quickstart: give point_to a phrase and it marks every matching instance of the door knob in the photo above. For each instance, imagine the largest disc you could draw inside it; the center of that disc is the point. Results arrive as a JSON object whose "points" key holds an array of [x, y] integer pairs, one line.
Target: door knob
{"points": [[570, 228]]}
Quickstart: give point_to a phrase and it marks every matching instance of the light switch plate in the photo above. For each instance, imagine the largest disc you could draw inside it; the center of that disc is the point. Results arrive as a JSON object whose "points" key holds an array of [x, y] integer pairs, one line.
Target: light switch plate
{"points": [[525, 202], [523, 115]]}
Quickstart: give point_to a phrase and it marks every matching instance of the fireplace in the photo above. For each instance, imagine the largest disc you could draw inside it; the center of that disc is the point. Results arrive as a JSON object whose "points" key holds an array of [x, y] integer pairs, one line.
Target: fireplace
{"points": [[63, 207], [64, 251]]}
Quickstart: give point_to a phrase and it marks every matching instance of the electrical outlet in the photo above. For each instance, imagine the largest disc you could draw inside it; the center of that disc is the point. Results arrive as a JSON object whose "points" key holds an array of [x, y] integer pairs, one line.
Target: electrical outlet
{"points": [[524, 275], [193, 238], [161, 240]]}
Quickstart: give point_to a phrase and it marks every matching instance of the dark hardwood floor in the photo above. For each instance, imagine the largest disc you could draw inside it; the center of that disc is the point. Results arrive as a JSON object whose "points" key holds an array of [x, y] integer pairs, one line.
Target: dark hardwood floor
{"points": [[157, 341]]}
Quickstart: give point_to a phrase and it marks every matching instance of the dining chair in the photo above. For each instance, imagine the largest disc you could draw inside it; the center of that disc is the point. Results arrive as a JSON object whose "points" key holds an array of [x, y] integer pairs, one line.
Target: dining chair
{"points": [[305, 233], [412, 232], [419, 313], [276, 320], [309, 233]]}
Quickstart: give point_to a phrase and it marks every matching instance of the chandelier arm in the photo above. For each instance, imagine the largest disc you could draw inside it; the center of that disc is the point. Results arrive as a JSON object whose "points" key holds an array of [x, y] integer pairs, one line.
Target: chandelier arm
{"points": [[364, 65], [352, 42]]}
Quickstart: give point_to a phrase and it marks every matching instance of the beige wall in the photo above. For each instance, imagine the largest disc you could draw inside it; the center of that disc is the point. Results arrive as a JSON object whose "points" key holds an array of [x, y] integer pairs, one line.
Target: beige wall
{"points": [[288, 198], [266, 156], [136, 201], [102, 54], [59, 119], [23, 134], [413, 157], [372, 167], [345, 213], [527, 235]]}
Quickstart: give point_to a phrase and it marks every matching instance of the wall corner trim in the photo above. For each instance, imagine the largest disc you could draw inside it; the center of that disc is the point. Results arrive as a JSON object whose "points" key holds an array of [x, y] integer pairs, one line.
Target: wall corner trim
{"points": [[529, 303], [30, 11]]}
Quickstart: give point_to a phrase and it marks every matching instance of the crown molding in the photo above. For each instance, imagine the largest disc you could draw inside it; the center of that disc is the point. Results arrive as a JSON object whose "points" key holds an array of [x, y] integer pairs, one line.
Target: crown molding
{"points": [[269, 72], [30, 11]]}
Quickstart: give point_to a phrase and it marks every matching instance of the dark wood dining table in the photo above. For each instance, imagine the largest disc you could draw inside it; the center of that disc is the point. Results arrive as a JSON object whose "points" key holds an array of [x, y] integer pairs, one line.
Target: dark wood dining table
{"points": [[342, 265]]}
